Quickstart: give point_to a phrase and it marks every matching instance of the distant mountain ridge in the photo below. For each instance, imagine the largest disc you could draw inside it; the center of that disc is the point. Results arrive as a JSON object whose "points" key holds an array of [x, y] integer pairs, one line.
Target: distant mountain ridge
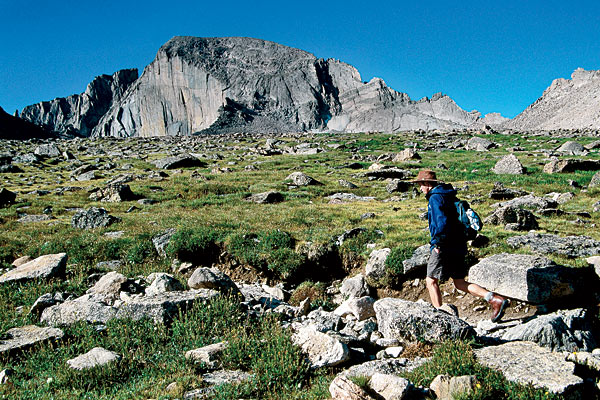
{"points": [[566, 104], [234, 84]]}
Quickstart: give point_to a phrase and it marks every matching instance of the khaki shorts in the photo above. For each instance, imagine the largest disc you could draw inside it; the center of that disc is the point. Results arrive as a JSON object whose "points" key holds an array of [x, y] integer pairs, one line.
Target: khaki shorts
{"points": [[446, 264]]}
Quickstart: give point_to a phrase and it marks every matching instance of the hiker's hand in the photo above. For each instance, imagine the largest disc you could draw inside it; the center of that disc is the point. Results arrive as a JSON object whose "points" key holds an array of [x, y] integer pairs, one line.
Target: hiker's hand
{"points": [[437, 250]]}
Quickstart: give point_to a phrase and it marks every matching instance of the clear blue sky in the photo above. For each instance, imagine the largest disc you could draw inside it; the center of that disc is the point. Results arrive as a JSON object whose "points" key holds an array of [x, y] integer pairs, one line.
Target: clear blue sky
{"points": [[489, 56]]}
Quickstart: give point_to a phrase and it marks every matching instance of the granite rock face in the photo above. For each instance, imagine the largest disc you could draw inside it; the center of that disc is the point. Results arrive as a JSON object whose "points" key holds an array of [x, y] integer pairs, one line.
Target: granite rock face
{"points": [[412, 321], [78, 114], [526, 362], [524, 277], [235, 84], [566, 104]]}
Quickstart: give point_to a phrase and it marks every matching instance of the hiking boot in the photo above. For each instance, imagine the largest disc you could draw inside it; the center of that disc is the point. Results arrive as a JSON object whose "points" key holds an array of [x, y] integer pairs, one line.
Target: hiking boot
{"points": [[498, 304]]}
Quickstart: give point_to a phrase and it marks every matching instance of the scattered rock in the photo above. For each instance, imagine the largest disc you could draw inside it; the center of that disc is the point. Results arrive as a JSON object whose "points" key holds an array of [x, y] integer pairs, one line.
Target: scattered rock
{"points": [[514, 219], [108, 287], [354, 287], [116, 192], [479, 144], [322, 350], [161, 241], [161, 282], [406, 155], [212, 278], [342, 388], [84, 308], [396, 185], [390, 387], [301, 179], [361, 308], [530, 202], [375, 268], [572, 148], [562, 166], [346, 184], [19, 339], [526, 362], [209, 355], [93, 218], [44, 267], [338, 198], [266, 197], [595, 181], [570, 246], [181, 161], [96, 357], [21, 260], [446, 387], [418, 260], [415, 321], [47, 150], [509, 164]]}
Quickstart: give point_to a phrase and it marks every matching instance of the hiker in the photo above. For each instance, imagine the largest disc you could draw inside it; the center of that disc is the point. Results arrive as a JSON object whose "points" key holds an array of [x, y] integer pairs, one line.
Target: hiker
{"points": [[449, 245]]}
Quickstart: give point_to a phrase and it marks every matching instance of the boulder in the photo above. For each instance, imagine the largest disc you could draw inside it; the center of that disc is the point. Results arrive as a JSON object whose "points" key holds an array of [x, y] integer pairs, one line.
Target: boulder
{"points": [[212, 278], [354, 287], [562, 166], [513, 218], [595, 181], [390, 387], [375, 268], [161, 282], [446, 387], [7, 197], [47, 150], [209, 355], [301, 179], [396, 185], [528, 363], [340, 198], [44, 267], [108, 287], [324, 321], [388, 366], [570, 246], [21, 260], [418, 321], [44, 301], [585, 359], [418, 260], [342, 388], [528, 278], [93, 218], [530, 202], [96, 357], [162, 308], [564, 330], [406, 155], [161, 240], [388, 173], [479, 144], [322, 350], [347, 184], [18, 339], [180, 161], [266, 197], [84, 308], [116, 192], [499, 192], [361, 308], [509, 164], [572, 148]]}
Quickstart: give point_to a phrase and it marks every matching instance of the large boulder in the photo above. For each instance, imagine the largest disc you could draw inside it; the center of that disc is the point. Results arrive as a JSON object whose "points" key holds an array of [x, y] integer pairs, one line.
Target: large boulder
{"points": [[212, 278], [529, 201], [179, 161], [572, 148], [7, 197], [513, 218], [18, 339], [342, 388], [570, 246], [528, 363], [92, 218], [116, 192], [44, 267], [47, 150], [528, 278], [322, 350], [269, 197], [415, 321], [509, 164], [390, 387], [418, 260], [375, 268], [301, 179], [96, 357], [564, 330], [354, 287], [161, 241], [162, 308], [479, 144], [84, 308], [361, 308], [108, 287], [561, 166]]}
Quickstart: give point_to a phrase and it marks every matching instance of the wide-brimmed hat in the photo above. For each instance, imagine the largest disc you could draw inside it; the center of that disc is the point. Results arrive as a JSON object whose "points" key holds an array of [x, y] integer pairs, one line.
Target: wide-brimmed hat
{"points": [[426, 175]]}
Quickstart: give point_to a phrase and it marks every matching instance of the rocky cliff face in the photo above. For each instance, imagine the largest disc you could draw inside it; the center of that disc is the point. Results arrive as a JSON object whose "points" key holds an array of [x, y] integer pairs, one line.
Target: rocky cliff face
{"points": [[566, 104], [221, 85], [78, 114]]}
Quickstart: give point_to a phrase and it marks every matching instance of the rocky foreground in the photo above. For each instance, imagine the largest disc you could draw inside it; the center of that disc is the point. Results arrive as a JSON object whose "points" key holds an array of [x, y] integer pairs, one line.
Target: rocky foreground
{"points": [[557, 348]]}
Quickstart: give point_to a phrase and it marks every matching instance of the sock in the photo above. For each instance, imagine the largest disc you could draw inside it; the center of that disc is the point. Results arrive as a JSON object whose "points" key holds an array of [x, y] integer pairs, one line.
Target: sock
{"points": [[489, 296]]}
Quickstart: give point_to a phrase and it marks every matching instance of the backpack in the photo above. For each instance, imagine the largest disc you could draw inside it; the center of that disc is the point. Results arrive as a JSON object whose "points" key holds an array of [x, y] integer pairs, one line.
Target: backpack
{"points": [[468, 219]]}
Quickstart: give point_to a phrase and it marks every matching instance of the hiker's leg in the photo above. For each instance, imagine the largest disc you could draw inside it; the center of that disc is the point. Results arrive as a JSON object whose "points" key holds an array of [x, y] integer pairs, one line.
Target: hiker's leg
{"points": [[434, 291], [472, 288]]}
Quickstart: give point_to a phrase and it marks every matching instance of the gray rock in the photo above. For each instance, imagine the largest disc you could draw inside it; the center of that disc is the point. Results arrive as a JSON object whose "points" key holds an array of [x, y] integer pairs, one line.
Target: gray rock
{"points": [[79, 113], [595, 181], [266, 197], [84, 308], [572, 148], [21, 260], [396, 185], [324, 321], [301, 179], [361, 308], [43, 302], [88, 176], [96, 357], [415, 321], [7, 197], [44, 267], [418, 260], [162, 240], [209, 355], [162, 308], [479, 144], [499, 192], [564, 330], [161, 282], [526, 362], [342, 388], [346, 184], [406, 155], [108, 287], [27, 219], [509, 164], [514, 218], [112, 193], [93, 218], [19, 339], [565, 104], [375, 268], [322, 350], [212, 278], [446, 387], [338, 198], [388, 366], [180, 161], [570, 246], [563, 166], [354, 287], [45, 150], [586, 359], [530, 202], [524, 277], [390, 387]]}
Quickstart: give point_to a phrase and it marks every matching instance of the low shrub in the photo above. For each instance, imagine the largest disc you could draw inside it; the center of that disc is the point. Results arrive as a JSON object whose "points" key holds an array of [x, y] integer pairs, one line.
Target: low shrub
{"points": [[140, 250], [194, 244], [315, 292]]}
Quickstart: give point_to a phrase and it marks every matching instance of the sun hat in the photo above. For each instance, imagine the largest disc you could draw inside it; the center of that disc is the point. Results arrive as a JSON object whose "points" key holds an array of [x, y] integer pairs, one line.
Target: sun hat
{"points": [[426, 175]]}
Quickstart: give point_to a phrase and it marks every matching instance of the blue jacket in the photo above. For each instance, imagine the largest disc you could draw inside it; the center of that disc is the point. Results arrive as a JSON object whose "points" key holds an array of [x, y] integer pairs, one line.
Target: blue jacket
{"points": [[444, 226]]}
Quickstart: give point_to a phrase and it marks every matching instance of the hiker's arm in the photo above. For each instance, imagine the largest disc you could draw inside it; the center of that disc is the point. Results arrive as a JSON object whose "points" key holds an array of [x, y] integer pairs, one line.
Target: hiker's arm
{"points": [[438, 221]]}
